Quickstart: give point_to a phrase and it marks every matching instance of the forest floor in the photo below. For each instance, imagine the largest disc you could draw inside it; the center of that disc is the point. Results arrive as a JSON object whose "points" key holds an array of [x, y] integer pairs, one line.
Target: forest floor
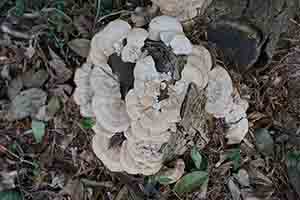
{"points": [[45, 42]]}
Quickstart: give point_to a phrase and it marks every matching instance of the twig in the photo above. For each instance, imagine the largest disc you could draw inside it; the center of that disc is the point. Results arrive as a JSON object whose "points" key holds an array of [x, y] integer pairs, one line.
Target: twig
{"points": [[4, 149], [114, 13], [177, 195], [121, 194], [107, 184], [7, 29]]}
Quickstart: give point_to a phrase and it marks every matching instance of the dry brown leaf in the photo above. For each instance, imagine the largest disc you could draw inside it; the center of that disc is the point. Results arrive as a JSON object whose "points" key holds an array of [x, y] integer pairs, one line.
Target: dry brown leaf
{"points": [[59, 72]]}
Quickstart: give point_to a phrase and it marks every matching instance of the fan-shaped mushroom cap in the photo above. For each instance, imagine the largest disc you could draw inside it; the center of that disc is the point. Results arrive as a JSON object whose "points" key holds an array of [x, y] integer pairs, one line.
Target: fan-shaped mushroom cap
{"points": [[167, 36], [83, 93], [218, 92], [236, 132], [182, 9], [201, 55], [108, 41], [109, 156], [198, 65], [237, 111], [140, 133], [181, 45], [141, 16], [135, 41], [98, 129], [171, 7], [152, 115], [145, 69], [140, 158], [195, 72], [111, 112], [103, 82], [162, 24]]}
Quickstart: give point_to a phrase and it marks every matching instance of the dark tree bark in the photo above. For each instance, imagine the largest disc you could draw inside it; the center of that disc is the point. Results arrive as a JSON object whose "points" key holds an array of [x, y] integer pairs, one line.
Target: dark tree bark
{"points": [[247, 30]]}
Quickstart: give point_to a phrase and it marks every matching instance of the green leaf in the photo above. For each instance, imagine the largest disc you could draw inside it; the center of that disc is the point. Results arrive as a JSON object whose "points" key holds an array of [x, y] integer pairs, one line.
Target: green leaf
{"points": [[20, 7], [164, 180], [293, 168], [53, 106], [87, 123], [234, 155], [190, 182], [38, 129], [10, 195], [196, 157]]}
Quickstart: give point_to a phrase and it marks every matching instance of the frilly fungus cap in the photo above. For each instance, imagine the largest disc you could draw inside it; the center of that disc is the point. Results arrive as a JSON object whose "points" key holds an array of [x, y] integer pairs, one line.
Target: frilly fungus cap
{"points": [[144, 117], [182, 9]]}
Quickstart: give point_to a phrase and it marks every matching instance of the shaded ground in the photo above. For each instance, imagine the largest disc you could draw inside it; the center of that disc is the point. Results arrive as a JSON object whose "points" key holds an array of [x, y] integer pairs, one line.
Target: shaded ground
{"points": [[63, 165]]}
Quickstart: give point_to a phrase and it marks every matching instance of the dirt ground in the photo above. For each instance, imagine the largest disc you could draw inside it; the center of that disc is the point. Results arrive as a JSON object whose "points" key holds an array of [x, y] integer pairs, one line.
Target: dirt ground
{"points": [[63, 165]]}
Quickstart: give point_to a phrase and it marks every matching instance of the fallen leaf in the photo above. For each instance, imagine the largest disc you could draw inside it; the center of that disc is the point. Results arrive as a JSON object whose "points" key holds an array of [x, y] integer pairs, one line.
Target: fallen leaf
{"points": [[171, 175], [234, 155], [80, 47], [48, 111], [59, 72], [264, 187], [196, 157], [190, 182], [243, 178], [164, 180], [264, 142], [293, 167], [84, 25], [38, 130], [234, 189], [35, 79], [53, 106], [27, 103], [63, 91], [75, 189], [200, 194], [14, 88]]}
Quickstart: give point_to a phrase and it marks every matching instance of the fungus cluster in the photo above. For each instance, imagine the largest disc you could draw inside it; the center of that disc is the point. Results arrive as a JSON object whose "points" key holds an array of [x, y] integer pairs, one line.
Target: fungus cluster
{"points": [[137, 113]]}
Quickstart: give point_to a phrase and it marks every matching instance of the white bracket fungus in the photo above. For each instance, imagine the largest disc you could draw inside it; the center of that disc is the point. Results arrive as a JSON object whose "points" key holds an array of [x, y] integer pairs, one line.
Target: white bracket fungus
{"points": [[224, 102], [163, 24], [135, 41], [182, 9], [146, 116]]}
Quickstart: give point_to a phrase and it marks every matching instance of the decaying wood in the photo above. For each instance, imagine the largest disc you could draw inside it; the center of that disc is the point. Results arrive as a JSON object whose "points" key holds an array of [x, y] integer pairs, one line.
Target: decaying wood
{"points": [[193, 129]]}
